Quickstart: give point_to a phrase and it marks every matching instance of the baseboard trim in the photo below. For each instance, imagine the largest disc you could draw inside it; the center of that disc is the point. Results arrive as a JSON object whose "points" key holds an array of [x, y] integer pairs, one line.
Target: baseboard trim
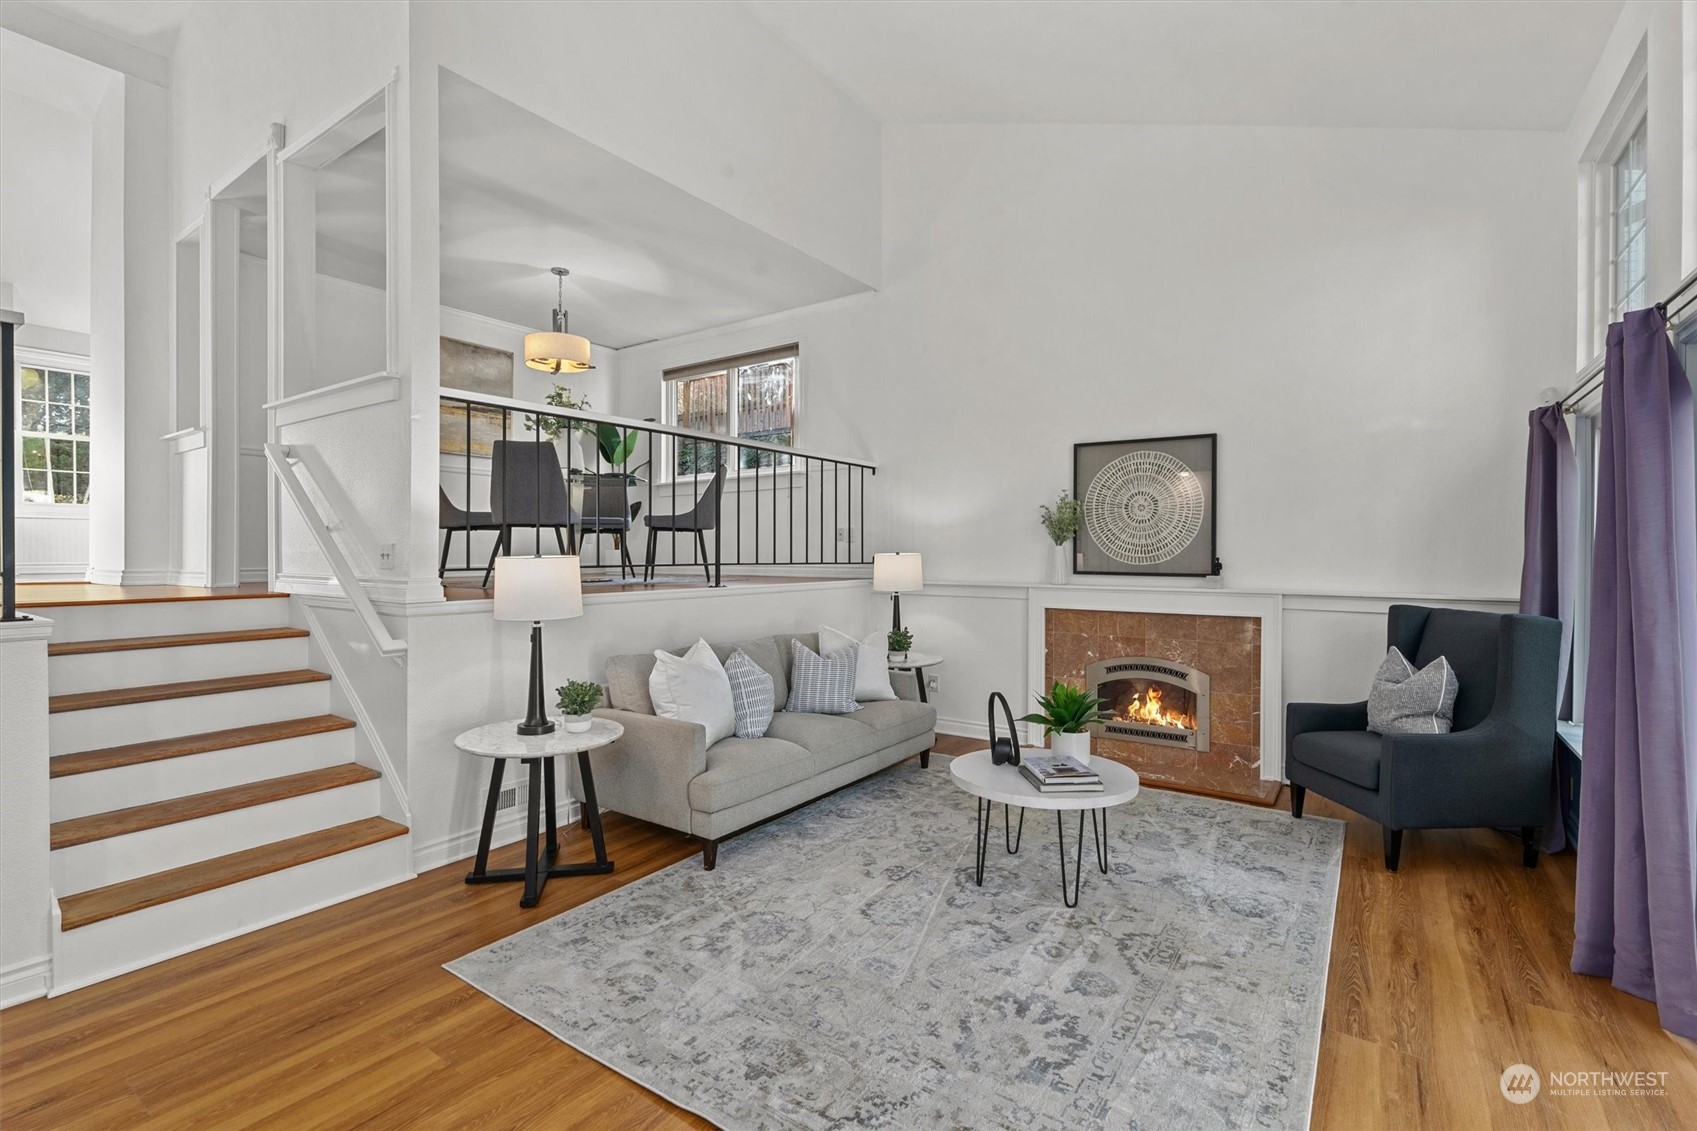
{"points": [[463, 845], [105, 576], [147, 577], [26, 981]]}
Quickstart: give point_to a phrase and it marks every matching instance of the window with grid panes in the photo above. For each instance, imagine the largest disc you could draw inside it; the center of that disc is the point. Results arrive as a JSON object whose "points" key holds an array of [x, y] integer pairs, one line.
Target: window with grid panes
{"points": [[53, 429]]}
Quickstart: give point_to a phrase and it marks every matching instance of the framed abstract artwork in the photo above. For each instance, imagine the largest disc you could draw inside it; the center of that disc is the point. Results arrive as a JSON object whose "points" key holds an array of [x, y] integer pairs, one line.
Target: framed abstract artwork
{"points": [[1149, 506]]}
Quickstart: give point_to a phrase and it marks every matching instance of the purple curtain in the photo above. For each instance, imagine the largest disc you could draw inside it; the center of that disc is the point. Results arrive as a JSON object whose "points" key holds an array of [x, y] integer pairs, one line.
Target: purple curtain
{"points": [[1550, 568], [1635, 920]]}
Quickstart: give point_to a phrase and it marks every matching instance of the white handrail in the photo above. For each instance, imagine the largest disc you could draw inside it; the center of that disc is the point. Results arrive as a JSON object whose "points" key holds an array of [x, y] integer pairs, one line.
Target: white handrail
{"points": [[282, 464], [538, 408]]}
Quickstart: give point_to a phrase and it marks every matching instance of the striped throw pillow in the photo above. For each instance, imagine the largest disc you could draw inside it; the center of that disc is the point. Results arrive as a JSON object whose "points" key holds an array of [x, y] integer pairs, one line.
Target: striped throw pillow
{"points": [[751, 695], [823, 685]]}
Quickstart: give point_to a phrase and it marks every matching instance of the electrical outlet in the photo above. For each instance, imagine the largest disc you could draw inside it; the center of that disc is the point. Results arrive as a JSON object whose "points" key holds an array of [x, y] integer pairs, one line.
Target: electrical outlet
{"points": [[386, 556], [931, 684], [842, 534]]}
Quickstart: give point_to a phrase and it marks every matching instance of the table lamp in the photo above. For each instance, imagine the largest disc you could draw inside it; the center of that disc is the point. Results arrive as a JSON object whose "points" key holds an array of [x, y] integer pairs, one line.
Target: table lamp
{"points": [[537, 589], [897, 574]]}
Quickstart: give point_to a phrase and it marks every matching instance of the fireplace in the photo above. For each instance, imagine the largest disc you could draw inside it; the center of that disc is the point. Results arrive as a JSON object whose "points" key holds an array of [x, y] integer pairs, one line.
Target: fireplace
{"points": [[1152, 700]]}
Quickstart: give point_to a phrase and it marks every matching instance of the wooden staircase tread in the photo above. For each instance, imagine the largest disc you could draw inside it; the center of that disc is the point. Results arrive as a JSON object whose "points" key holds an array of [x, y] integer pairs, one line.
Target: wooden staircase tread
{"points": [[136, 753], [92, 906], [99, 826], [181, 640], [123, 696]]}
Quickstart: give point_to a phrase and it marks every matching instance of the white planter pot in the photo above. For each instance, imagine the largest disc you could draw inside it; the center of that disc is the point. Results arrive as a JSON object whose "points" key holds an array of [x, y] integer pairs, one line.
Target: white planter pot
{"points": [[577, 724], [898, 657], [1071, 746], [1060, 567]]}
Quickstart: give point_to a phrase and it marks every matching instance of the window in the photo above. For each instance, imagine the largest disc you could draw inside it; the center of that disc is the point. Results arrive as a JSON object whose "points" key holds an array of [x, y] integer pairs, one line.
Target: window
{"points": [[1629, 271], [751, 397], [53, 426]]}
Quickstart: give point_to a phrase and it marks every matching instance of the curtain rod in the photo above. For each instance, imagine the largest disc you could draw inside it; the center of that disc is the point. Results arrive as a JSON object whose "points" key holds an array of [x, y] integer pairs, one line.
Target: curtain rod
{"points": [[1591, 378]]}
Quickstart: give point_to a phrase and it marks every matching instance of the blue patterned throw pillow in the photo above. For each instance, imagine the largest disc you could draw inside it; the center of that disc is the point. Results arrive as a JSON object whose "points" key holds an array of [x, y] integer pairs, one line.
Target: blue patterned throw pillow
{"points": [[751, 695], [823, 685]]}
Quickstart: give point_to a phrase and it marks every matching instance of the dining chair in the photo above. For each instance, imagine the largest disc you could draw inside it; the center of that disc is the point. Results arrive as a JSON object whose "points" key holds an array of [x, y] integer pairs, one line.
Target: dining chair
{"points": [[527, 488], [450, 518], [607, 509], [703, 516]]}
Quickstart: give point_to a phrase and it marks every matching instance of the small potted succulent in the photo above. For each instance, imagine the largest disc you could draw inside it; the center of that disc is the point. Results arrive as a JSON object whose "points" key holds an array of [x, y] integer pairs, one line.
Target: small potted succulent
{"points": [[900, 641], [1061, 521], [577, 698], [1066, 716]]}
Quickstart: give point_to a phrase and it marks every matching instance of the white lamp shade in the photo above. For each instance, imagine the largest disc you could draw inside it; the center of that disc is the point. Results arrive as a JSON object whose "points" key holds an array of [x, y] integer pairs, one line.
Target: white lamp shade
{"points": [[898, 573], [553, 352], [538, 588]]}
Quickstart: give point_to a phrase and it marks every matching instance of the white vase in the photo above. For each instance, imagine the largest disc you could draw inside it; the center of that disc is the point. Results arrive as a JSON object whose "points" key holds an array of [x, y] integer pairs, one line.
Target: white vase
{"points": [[1060, 567], [1071, 746], [577, 724], [898, 657]]}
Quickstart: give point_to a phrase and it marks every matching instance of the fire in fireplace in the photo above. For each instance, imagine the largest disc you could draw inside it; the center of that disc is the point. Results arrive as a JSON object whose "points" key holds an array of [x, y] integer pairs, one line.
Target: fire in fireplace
{"points": [[1152, 700]]}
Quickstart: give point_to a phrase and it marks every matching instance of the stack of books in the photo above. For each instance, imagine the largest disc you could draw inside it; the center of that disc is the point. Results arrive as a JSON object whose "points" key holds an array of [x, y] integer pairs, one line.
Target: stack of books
{"points": [[1052, 774]]}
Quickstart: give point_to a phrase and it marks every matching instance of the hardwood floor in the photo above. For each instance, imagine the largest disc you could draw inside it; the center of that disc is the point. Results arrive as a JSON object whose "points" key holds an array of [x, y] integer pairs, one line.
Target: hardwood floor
{"points": [[1441, 976], [46, 594]]}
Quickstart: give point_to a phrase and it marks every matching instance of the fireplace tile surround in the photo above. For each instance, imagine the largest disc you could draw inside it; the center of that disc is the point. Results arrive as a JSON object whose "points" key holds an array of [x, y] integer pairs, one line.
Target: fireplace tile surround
{"points": [[1227, 646]]}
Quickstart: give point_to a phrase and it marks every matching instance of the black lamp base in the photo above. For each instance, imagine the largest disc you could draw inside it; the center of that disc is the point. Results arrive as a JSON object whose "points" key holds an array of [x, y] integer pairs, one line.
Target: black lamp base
{"points": [[536, 720]]}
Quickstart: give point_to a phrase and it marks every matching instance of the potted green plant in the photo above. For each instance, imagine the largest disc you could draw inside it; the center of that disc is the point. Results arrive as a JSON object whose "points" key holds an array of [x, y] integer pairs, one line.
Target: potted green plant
{"points": [[900, 641], [558, 430], [1066, 715], [1061, 521], [577, 698]]}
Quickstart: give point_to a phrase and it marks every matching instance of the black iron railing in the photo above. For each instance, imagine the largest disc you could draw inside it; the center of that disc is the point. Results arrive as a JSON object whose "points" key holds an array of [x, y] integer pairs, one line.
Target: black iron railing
{"points": [[776, 506], [9, 322]]}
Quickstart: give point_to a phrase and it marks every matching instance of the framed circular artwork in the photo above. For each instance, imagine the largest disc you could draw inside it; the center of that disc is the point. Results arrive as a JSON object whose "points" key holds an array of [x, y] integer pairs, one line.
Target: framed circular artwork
{"points": [[1148, 506]]}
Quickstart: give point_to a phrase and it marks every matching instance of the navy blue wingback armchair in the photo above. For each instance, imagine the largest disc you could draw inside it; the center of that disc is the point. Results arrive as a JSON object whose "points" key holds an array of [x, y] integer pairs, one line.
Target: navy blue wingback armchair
{"points": [[1491, 771]]}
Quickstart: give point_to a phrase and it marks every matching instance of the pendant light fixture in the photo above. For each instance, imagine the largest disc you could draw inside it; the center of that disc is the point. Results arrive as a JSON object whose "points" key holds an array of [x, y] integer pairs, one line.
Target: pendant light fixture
{"points": [[557, 351]]}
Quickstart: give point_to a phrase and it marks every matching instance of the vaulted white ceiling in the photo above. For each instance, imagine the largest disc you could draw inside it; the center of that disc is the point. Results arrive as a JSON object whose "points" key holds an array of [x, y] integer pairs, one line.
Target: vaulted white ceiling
{"points": [[647, 260], [1463, 64]]}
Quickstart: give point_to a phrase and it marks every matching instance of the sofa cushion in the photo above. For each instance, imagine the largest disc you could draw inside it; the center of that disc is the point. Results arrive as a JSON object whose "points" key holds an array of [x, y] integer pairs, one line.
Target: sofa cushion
{"points": [[1352, 755], [764, 651], [627, 683], [823, 685], [896, 720], [693, 688], [741, 769], [835, 738], [751, 695]]}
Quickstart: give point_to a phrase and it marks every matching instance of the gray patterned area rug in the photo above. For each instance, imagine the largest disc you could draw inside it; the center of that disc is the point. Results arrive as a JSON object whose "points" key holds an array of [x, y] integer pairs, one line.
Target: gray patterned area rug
{"points": [[841, 970]]}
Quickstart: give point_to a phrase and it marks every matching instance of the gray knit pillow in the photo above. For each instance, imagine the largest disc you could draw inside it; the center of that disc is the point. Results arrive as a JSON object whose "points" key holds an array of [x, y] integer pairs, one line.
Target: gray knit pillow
{"points": [[823, 685], [1405, 701], [751, 695]]}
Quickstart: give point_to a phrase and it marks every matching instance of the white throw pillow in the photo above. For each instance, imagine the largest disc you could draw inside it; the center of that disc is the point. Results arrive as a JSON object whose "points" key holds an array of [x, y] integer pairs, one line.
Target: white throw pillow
{"points": [[693, 688], [872, 670]]}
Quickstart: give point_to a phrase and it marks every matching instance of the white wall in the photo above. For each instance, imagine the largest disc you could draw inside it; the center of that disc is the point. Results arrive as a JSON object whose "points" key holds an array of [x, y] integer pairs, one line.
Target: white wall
{"points": [[46, 181], [699, 93], [1364, 316], [25, 886]]}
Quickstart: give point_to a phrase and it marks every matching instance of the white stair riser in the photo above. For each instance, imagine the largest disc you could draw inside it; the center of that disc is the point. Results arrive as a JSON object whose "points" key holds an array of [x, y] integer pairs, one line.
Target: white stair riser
{"points": [[81, 795], [128, 942], [164, 618], [83, 867], [69, 732], [103, 671]]}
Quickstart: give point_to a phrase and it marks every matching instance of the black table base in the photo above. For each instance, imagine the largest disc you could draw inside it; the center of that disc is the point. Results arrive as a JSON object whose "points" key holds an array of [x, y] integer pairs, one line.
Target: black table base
{"points": [[539, 862], [1011, 839]]}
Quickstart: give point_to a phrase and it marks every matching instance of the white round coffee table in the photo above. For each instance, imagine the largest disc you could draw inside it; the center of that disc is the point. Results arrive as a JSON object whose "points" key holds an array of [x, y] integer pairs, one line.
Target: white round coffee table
{"points": [[501, 741], [990, 783]]}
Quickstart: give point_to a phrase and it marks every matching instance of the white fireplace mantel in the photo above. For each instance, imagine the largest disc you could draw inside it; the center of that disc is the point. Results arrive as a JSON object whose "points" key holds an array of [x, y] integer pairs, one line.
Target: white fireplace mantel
{"points": [[1266, 607]]}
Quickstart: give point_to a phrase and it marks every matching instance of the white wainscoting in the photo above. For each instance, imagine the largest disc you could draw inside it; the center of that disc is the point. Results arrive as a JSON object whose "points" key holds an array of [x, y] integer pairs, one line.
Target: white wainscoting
{"points": [[52, 542]]}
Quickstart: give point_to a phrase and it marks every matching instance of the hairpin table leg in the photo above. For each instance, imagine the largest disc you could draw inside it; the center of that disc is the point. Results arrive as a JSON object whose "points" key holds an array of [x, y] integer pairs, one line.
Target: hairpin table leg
{"points": [[1078, 858]]}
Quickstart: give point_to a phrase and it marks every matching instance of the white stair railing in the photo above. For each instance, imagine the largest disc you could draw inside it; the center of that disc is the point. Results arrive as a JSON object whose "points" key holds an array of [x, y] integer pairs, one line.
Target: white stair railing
{"points": [[283, 466]]}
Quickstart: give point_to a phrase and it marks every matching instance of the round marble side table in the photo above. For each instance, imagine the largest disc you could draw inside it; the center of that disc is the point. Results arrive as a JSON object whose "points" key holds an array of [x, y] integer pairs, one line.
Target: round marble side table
{"points": [[501, 741]]}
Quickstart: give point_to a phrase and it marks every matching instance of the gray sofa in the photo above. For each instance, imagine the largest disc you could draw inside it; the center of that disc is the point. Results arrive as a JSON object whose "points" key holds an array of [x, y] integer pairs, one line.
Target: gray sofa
{"points": [[663, 771]]}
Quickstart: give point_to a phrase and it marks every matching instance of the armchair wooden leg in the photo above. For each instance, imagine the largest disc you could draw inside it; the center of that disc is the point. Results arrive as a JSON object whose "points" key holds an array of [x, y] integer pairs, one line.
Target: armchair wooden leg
{"points": [[1529, 836], [1298, 794], [1393, 849], [925, 759], [709, 856]]}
